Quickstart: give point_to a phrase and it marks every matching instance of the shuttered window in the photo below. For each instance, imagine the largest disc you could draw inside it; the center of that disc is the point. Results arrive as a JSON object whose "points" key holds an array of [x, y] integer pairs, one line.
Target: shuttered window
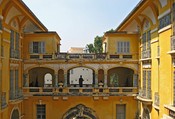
{"points": [[41, 112], [121, 111], [37, 47], [123, 47]]}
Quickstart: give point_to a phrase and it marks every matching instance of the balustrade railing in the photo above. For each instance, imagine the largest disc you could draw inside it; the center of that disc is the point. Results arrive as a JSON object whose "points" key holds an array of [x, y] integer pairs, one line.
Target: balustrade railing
{"points": [[172, 43], [16, 94], [146, 54], [85, 56], [156, 98], [3, 100], [146, 94], [79, 91]]}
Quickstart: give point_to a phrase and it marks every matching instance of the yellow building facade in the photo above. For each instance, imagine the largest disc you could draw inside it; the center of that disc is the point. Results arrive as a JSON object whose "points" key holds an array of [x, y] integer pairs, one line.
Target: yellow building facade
{"points": [[153, 21], [133, 77]]}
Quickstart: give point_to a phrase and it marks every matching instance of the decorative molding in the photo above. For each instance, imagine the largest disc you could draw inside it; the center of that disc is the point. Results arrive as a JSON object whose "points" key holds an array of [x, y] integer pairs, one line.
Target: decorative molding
{"points": [[164, 13], [7, 30], [165, 28], [154, 30], [155, 40], [7, 41]]}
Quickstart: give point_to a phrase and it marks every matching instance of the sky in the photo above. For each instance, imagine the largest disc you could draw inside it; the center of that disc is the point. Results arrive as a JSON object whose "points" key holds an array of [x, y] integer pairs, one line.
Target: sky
{"points": [[78, 22]]}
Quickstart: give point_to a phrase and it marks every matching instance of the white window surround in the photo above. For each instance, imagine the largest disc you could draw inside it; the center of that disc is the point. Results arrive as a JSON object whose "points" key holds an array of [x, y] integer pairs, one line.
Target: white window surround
{"points": [[41, 47]]}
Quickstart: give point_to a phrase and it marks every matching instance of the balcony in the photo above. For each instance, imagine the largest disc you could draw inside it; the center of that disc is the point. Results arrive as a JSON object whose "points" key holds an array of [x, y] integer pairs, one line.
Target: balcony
{"points": [[3, 100], [146, 54], [77, 91], [145, 96], [16, 94], [42, 56], [156, 100], [14, 53], [172, 43]]}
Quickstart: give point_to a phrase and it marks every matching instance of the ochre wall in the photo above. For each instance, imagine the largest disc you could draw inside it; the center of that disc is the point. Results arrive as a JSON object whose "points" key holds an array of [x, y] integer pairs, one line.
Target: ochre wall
{"points": [[105, 109]]}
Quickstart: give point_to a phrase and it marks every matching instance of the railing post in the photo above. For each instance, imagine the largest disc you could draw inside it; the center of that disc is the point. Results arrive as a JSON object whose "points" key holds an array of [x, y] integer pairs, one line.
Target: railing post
{"points": [[56, 80], [65, 79], [26, 80], [96, 79], [105, 80]]}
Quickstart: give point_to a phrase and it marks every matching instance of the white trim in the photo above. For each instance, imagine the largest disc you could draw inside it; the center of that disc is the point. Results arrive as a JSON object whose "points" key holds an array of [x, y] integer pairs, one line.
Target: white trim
{"points": [[7, 30], [15, 108], [1, 17], [5, 40], [164, 13], [154, 30], [165, 28], [154, 41]]}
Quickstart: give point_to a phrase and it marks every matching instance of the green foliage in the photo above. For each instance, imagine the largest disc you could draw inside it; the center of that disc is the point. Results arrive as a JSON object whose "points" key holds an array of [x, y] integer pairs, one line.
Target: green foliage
{"points": [[96, 47], [90, 47], [98, 44], [110, 31]]}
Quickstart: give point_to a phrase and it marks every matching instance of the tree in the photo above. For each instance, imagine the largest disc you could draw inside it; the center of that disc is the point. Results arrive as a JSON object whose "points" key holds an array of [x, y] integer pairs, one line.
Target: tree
{"points": [[96, 47], [90, 48], [98, 44]]}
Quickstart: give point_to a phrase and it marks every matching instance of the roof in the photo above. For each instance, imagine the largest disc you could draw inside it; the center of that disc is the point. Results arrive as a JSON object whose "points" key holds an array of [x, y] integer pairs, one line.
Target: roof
{"points": [[131, 13], [32, 14]]}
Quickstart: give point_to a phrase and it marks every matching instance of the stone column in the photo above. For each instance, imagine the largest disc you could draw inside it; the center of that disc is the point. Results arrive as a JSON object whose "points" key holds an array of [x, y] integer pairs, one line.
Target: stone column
{"points": [[96, 79], [56, 80], [65, 79], [26, 79], [105, 80]]}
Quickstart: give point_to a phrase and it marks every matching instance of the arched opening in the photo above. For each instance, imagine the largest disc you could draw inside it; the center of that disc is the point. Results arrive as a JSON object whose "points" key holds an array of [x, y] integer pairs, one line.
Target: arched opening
{"points": [[38, 77], [101, 76], [15, 114], [79, 75], [120, 77], [80, 112], [60, 75], [48, 80]]}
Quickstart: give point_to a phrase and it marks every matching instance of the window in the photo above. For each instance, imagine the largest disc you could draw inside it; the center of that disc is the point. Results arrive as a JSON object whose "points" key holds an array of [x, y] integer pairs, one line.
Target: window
{"points": [[123, 47], [37, 47], [14, 44], [121, 112], [146, 45], [147, 83], [41, 112], [0, 24], [165, 21], [14, 87]]}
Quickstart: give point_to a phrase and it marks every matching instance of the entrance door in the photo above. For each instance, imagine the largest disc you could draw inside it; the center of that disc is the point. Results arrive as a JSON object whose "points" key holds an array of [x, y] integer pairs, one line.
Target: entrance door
{"points": [[121, 111]]}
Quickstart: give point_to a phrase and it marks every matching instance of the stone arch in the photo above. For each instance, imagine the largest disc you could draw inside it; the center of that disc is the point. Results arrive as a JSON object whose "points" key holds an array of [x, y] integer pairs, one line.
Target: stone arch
{"points": [[100, 75], [35, 66], [61, 75], [146, 25], [48, 80], [81, 66], [81, 112], [15, 113], [15, 23], [125, 66], [120, 77], [37, 75], [74, 73]]}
